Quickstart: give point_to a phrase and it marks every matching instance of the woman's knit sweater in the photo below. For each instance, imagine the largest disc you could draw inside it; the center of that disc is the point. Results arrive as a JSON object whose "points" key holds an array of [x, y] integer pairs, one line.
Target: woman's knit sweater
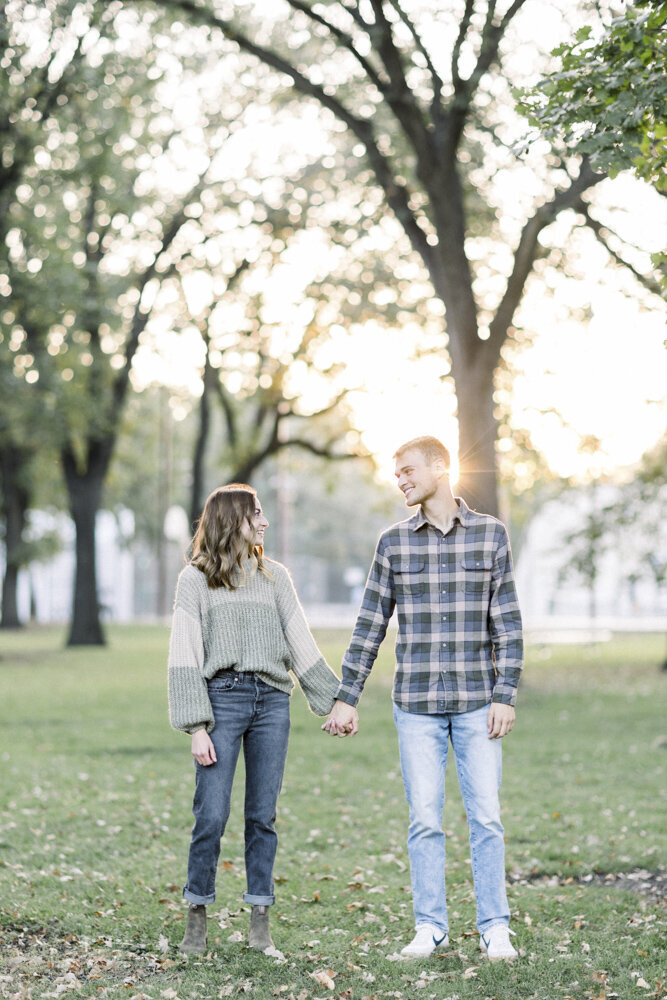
{"points": [[259, 627]]}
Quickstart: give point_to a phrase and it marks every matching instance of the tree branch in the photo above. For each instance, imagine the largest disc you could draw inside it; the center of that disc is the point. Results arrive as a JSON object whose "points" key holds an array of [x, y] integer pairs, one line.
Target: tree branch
{"points": [[342, 36], [325, 409], [464, 24], [398, 95], [524, 257], [141, 315], [599, 230], [323, 451], [465, 89], [436, 103], [397, 194]]}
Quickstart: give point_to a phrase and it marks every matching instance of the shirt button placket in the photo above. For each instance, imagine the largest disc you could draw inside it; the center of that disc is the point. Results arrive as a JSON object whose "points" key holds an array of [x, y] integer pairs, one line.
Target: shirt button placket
{"points": [[443, 591]]}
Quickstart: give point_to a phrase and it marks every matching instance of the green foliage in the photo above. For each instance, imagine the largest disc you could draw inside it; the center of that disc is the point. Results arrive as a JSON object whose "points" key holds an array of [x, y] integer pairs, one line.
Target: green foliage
{"points": [[608, 99], [95, 792]]}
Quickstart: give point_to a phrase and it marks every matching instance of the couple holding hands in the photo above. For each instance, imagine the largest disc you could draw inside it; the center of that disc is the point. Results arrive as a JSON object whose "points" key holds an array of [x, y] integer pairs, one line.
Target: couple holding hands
{"points": [[238, 629]]}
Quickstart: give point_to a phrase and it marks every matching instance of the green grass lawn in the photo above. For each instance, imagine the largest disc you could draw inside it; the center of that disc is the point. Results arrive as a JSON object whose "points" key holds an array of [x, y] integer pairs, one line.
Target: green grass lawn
{"points": [[95, 797]]}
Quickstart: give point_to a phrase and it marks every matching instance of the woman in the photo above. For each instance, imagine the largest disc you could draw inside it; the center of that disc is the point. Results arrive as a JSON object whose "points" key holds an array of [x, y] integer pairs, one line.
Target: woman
{"points": [[238, 628]]}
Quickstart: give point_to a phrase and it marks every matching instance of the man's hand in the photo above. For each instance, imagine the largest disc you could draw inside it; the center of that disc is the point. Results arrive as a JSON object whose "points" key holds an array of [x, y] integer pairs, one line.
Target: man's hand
{"points": [[500, 721], [343, 720], [203, 750]]}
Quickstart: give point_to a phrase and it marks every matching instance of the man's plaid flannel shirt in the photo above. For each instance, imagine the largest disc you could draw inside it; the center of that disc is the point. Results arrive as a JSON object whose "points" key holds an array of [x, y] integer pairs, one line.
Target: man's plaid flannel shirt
{"points": [[459, 643]]}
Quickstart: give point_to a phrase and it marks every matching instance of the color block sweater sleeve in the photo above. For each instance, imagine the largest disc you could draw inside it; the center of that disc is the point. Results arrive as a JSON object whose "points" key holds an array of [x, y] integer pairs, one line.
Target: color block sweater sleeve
{"points": [[189, 704], [316, 678]]}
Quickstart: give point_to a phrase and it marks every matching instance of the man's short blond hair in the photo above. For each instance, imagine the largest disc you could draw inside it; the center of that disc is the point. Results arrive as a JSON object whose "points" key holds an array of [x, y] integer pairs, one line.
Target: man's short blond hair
{"points": [[428, 446]]}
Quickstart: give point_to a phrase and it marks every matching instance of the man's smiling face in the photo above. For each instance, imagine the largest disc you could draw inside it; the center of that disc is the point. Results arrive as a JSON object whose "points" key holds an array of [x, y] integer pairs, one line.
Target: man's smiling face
{"points": [[417, 477]]}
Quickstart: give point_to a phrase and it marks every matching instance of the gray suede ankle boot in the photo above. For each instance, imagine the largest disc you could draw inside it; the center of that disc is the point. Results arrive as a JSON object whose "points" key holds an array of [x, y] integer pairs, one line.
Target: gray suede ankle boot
{"points": [[194, 939], [260, 935]]}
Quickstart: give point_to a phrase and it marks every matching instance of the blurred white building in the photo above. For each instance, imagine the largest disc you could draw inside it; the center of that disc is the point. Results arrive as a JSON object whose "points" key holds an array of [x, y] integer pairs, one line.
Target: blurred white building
{"points": [[45, 587], [626, 592]]}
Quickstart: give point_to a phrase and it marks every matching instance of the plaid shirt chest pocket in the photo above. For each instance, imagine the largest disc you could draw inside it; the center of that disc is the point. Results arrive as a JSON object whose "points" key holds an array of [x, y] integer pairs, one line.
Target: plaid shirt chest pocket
{"points": [[410, 578], [476, 573]]}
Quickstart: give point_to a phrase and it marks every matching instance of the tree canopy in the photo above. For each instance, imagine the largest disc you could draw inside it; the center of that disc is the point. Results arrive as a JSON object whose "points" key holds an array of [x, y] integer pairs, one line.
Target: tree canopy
{"points": [[608, 96], [422, 94]]}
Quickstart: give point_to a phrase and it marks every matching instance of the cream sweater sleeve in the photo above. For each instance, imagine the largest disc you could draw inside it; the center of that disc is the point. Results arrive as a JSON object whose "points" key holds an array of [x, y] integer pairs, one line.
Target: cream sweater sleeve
{"points": [[316, 678], [189, 704]]}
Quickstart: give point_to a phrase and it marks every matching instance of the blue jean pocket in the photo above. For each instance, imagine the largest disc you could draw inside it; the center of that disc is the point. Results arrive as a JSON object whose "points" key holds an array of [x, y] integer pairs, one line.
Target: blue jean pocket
{"points": [[223, 682]]}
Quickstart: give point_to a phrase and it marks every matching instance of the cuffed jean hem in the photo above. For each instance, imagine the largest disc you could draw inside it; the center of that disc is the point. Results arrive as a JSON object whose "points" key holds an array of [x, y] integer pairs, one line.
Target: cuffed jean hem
{"points": [[493, 922], [258, 900], [198, 900]]}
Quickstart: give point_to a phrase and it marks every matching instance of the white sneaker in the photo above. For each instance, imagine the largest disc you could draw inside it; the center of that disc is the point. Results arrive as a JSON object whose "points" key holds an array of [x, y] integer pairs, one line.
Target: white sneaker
{"points": [[496, 944], [425, 942]]}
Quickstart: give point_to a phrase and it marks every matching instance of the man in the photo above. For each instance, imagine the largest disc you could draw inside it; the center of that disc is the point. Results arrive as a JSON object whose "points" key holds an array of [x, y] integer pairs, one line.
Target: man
{"points": [[448, 571]]}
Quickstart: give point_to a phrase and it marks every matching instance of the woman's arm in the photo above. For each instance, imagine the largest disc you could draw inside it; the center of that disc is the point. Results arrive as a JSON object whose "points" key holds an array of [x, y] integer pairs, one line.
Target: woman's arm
{"points": [[316, 678], [189, 704]]}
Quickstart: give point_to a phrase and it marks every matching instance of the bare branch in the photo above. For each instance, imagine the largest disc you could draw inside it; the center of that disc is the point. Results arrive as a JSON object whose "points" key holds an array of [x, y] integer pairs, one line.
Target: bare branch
{"points": [[436, 106], [510, 14], [492, 33], [398, 95], [141, 315], [491, 38], [397, 195], [460, 38], [342, 36], [323, 451], [354, 12], [336, 401], [524, 258], [601, 233], [225, 400]]}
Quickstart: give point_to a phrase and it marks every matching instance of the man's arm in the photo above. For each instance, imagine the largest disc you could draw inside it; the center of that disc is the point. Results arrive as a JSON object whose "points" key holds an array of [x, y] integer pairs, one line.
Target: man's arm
{"points": [[377, 607], [505, 627]]}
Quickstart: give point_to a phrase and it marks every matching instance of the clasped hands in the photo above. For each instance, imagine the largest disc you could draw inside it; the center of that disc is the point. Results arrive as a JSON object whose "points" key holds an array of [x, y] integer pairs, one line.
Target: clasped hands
{"points": [[343, 720]]}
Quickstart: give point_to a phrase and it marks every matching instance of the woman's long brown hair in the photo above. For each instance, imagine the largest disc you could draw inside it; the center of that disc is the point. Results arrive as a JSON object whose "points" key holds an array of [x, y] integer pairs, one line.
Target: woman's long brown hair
{"points": [[219, 548]]}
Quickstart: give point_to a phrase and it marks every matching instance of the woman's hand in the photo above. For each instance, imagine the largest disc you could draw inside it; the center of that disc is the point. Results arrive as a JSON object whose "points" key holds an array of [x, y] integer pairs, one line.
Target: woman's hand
{"points": [[203, 750], [343, 720]]}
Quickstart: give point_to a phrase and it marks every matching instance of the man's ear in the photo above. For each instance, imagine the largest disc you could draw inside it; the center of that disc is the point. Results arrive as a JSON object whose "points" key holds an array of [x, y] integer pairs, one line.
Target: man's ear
{"points": [[439, 468]]}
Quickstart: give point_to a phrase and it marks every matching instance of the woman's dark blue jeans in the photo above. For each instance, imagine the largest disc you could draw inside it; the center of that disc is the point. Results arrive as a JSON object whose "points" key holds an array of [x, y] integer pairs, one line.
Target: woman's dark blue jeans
{"points": [[246, 711]]}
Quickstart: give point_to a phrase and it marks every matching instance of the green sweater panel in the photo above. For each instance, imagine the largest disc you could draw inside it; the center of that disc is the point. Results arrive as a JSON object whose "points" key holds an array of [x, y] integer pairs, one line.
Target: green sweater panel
{"points": [[259, 627]]}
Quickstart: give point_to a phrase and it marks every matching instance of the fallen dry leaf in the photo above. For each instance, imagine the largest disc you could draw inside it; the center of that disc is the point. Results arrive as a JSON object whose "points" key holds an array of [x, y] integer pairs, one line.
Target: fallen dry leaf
{"points": [[273, 952], [324, 977]]}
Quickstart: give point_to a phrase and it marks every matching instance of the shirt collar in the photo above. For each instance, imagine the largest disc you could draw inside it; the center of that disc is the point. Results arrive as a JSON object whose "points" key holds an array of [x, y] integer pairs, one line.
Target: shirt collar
{"points": [[419, 519]]}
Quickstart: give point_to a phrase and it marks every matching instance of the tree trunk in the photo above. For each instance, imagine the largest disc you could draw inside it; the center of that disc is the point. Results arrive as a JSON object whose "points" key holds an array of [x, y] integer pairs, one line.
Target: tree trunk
{"points": [[477, 437], [15, 506], [84, 487], [199, 458]]}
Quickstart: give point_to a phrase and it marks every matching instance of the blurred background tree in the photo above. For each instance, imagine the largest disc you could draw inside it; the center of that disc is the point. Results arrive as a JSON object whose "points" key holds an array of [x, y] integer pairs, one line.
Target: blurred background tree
{"points": [[435, 132], [186, 288]]}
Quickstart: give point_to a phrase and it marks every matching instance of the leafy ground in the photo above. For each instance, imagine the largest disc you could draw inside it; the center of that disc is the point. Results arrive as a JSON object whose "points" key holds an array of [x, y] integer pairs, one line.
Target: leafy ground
{"points": [[95, 794]]}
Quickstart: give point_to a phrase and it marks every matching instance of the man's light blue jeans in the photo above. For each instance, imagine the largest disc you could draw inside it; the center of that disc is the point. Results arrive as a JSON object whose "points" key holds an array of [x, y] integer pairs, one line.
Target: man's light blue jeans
{"points": [[254, 715], [423, 742]]}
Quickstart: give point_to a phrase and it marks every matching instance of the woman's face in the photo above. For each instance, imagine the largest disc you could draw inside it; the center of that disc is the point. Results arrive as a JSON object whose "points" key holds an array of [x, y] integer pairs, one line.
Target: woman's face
{"points": [[253, 529]]}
